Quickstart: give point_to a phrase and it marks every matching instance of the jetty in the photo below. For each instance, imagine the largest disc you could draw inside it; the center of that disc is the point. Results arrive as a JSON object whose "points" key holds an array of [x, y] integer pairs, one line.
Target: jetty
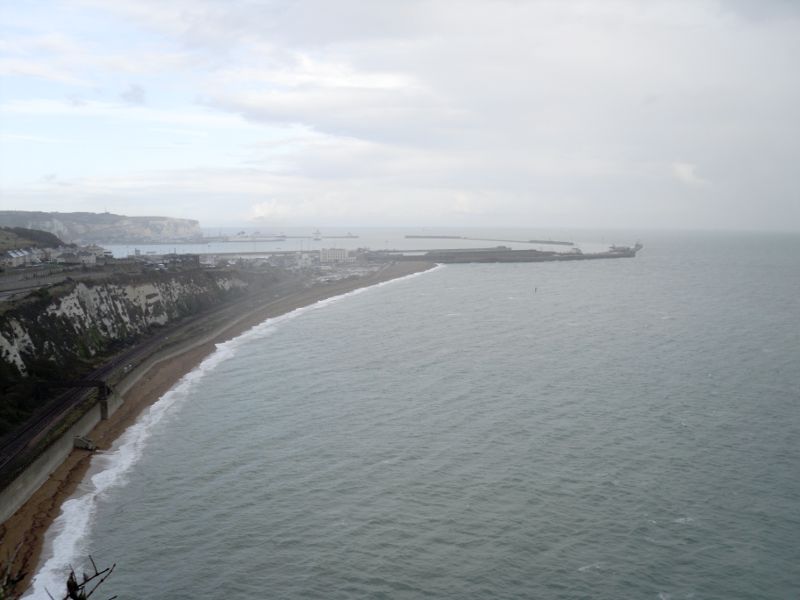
{"points": [[503, 254], [502, 241]]}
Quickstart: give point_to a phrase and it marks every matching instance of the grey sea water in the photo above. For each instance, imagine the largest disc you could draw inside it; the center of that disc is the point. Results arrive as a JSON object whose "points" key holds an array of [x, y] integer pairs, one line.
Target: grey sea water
{"points": [[603, 429]]}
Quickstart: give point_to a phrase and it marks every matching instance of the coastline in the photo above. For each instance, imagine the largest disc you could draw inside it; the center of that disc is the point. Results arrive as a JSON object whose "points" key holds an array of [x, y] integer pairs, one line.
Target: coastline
{"points": [[142, 388]]}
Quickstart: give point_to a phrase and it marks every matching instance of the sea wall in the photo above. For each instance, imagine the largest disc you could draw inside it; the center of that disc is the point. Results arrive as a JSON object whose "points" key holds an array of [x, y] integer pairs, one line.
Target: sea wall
{"points": [[24, 485], [93, 317]]}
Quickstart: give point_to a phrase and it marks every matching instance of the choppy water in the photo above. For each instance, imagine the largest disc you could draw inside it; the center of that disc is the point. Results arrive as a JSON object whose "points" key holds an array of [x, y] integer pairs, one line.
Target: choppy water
{"points": [[604, 429], [380, 238]]}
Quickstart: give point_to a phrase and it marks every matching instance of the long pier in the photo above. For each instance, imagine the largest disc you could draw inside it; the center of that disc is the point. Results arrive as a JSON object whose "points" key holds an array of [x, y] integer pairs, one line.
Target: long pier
{"points": [[505, 254], [474, 239]]}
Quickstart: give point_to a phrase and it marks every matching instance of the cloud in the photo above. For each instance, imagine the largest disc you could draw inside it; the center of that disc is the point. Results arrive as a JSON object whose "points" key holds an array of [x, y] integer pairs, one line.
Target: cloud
{"points": [[87, 60], [134, 94], [22, 67], [763, 9], [555, 112], [35, 139], [93, 109], [685, 173]]}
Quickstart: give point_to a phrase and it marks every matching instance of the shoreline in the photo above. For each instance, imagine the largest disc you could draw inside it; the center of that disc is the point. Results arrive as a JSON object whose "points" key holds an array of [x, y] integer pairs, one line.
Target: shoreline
{"points": [[143, 387]]}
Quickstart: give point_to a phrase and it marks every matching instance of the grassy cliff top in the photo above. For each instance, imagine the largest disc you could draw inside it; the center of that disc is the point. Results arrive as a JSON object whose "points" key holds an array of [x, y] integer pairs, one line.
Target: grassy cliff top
{"points": [[19, 237], [104, 228]]}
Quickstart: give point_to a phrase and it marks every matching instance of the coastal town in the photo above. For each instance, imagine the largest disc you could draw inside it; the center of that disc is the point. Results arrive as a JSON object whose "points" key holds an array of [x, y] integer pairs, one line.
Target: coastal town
{"points": [[89, 340], [86, 326], [29, 268], [345, 300]]}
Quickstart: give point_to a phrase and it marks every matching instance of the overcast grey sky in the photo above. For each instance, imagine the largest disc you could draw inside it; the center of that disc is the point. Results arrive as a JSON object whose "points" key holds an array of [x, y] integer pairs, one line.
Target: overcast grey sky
{"points": [[609, 113]]}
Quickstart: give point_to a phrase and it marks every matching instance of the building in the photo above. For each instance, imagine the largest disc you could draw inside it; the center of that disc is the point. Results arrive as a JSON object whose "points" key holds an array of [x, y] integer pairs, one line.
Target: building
{"points": [[77, 258], [14, 258], [335, 255], [20, 257], [52, 254], [87, 258], [98, 251], [184, 261]]}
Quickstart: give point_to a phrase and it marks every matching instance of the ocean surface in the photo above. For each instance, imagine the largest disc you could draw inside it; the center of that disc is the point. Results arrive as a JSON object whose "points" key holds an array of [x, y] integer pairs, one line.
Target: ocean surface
{"points": [[386, 238], [603, 429]]}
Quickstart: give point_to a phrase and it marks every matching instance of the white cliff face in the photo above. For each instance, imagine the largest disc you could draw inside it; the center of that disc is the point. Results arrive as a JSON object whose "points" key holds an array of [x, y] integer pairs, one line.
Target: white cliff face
{"points": [[105, 228], [84, 321], [13, 345]]}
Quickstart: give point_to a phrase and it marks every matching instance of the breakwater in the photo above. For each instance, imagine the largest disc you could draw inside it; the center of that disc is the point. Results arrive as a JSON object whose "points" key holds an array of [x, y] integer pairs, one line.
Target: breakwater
{"points": [[503, 254], [482, 239], [628, 431]]}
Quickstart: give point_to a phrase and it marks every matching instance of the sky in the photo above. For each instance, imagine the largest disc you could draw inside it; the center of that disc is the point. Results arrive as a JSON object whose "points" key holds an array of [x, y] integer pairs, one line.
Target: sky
{"points": [[541, 113]]}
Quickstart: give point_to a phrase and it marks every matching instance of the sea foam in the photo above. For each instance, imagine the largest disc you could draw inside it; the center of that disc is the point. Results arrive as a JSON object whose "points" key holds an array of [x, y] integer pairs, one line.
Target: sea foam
{"points": [[65, 541]]}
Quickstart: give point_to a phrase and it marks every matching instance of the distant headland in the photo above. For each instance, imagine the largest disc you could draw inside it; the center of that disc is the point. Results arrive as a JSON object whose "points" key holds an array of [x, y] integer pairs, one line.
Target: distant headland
{"points": [[105, 228]]}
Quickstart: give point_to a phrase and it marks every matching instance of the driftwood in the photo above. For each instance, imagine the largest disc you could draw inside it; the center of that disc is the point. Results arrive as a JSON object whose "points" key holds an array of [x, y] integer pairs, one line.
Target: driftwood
{"points": [[83, 589], [10, 579], [76, 589]]}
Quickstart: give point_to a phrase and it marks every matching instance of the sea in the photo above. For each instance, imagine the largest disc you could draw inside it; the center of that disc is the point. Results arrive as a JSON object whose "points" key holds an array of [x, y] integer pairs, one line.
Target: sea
{"points": [[599, 429]]}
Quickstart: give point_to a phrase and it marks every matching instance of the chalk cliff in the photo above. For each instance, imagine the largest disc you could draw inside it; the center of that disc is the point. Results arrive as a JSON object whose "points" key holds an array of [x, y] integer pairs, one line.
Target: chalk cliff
{"points": [[105, 228], [80, 320]]}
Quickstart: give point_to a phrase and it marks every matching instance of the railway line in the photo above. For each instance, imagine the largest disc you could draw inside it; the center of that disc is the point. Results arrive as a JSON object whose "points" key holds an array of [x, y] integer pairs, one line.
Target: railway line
{"points": [[16, 445]]}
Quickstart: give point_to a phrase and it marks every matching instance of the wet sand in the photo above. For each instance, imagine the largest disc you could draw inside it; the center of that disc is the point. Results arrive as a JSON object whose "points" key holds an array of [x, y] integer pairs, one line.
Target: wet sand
{"points": [[142, 387]]}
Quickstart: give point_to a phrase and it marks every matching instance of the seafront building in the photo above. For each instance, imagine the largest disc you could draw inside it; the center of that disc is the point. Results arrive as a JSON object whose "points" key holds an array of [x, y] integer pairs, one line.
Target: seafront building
{"points": [[335, 255]]}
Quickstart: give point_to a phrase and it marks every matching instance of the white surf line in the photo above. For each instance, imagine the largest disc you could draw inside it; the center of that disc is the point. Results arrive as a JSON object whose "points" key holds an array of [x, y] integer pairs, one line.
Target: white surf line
{"points": [[65, 540]]}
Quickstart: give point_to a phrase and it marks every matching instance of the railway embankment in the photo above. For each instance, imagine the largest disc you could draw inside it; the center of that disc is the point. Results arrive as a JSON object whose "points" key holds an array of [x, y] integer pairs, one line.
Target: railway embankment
{"points": [[98, 330], [139, 375], [78, 321]]}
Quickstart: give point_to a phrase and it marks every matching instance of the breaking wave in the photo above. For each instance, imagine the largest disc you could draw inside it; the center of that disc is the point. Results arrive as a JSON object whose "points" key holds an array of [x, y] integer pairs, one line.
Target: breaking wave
{"points": [[65, 540]]}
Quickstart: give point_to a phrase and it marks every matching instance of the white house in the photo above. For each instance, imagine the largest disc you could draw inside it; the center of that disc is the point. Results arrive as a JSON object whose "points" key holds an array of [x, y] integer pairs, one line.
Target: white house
{"points": [[335, 255], [87, 258], [16, 258]]}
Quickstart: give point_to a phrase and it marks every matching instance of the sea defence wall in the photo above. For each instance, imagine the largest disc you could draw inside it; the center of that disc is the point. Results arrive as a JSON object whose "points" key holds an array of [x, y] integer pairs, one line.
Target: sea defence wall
{"points": [[23, 486], [92, 333], [13, 496]]}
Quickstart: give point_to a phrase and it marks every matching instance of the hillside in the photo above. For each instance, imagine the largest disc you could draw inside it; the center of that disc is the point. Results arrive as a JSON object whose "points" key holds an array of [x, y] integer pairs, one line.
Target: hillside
{"points": [[68, 329], [19, 237], [108, 228]]}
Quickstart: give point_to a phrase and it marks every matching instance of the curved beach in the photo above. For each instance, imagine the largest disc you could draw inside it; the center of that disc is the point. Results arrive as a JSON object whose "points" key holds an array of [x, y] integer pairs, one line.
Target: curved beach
{"points": [[142, 387]]}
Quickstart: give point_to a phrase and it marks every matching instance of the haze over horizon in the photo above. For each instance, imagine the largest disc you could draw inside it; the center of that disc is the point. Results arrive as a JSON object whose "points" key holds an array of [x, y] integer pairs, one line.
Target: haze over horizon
{"points": [[618, 114]]}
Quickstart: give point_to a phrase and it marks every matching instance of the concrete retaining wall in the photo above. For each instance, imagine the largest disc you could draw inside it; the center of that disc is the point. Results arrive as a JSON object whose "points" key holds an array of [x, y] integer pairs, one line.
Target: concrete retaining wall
{"points": [[22, 488]]}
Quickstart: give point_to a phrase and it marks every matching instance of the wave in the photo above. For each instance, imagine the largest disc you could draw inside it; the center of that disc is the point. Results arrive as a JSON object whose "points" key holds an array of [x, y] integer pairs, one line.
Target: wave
{"points": [[65, 541], [66, 537]]}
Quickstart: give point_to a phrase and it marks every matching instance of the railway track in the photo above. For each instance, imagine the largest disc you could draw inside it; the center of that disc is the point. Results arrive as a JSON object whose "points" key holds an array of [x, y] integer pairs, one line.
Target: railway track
{"points": [[28, 435]]}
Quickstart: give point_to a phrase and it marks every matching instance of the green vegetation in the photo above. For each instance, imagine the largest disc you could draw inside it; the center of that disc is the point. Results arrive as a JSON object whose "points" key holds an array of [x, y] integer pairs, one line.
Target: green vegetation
{"points": [[20, 398], [104, 228], [61, 347], [19, 237]]}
